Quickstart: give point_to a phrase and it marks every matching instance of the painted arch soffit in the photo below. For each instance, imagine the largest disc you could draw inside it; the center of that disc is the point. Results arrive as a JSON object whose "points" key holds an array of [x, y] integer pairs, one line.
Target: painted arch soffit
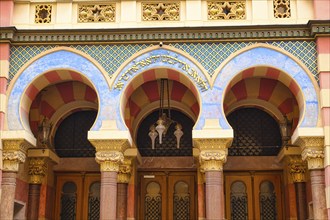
{"points": [[265, 55], [54, 59]]}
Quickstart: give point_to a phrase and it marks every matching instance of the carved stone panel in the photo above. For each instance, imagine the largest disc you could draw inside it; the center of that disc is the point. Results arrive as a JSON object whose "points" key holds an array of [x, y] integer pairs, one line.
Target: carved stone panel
{"points": [[161, 11], [97, 13], [225, 10]]}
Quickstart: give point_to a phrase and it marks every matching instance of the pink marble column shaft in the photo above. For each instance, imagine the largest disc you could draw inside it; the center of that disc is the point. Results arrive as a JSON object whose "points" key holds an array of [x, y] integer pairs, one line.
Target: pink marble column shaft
{"points": [[108, 203], [33, 203], [122, 201], [318, 194], [8, 195], [214, 195]]}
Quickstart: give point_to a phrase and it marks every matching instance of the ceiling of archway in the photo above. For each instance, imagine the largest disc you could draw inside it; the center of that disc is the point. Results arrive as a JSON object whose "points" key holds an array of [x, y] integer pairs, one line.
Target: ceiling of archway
{"points": [[139, 103], [54, 97]]}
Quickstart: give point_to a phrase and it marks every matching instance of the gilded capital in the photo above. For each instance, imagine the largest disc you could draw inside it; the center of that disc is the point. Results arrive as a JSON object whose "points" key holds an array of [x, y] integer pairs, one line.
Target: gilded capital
{"points": [[297, 169], [14, 153], [312, 151], [37, 169], [110, 144], [109, 160], [124, 173], [213, 160]]}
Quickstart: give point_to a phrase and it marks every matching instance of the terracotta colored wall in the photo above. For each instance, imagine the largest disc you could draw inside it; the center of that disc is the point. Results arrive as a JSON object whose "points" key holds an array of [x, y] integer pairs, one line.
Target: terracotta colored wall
{"points": [[321, 9]]}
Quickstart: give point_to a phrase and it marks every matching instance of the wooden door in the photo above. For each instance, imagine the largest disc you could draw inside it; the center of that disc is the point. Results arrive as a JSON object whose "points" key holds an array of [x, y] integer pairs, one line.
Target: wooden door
{"points": [[77, 196], [167, 196], [254, 196]]}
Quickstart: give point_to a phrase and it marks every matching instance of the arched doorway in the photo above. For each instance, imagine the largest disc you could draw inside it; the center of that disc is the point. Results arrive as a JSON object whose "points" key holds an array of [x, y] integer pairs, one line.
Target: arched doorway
{"points": [[167, 175]]}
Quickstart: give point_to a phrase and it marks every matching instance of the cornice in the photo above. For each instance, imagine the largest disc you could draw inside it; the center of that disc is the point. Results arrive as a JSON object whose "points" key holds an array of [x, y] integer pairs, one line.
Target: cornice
{"points": [[309, 31]]}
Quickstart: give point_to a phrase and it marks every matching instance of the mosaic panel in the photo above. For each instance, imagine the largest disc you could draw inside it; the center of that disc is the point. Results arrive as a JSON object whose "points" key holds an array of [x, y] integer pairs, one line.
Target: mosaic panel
{"points": [[210, 55]]}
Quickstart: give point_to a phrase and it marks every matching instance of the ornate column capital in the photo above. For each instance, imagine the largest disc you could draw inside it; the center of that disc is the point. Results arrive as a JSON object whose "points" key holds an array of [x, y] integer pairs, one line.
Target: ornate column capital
{"points": [[297, 169], [109, 160], [37, 169], [13, 153], [213, 160], [312, 151], [125, 170], [212, 143], [110, 144]]}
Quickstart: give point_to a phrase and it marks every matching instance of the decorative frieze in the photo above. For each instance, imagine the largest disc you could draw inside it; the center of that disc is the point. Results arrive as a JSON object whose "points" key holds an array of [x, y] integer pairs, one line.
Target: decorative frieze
{"points": [[43, 14], [97, 13], [225, 10], [282, 9], [161, 11], [297, 169], [37, 169]]}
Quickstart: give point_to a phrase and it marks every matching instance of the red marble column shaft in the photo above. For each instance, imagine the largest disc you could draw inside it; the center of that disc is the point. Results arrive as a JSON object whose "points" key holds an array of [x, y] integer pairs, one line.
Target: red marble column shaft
{"points": [[122, 201], [33, 202], [8, 195], [214, 195], [318, 194], [108, 203], [301, 200]]}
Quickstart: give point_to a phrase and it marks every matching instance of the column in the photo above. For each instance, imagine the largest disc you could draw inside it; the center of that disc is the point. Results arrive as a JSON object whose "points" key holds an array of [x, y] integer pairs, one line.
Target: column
{"points": [[37, 171], [14, 153], [109, 154], [297, 169], [123, 179], [313, 153], [213, 154]]}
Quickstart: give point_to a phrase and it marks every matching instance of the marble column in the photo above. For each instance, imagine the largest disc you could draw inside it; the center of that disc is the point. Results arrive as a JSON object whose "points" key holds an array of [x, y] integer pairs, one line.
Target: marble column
{"points": [[14, 153], [124, 175], [212, 155], [37, 171], [313, 153], [297, 169]]}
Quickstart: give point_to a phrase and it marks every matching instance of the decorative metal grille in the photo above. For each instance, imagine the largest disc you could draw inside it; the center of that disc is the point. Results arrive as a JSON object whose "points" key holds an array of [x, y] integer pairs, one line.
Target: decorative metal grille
{"points": [[181, 202], [238, 201], [153, 202], [282, 9], [71, 136], [168, 147], [43, 13], [161, 11], [210, 55], [68, 201], [225, 10], [94, 201], [267, 199], [255, 133]]}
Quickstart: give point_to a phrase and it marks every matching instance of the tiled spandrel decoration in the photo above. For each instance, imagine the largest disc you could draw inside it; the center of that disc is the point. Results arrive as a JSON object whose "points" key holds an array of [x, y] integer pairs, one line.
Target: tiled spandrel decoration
{"points": [[43, 14], [161, 11], [282, 9], [225, 10], [96, 13]]}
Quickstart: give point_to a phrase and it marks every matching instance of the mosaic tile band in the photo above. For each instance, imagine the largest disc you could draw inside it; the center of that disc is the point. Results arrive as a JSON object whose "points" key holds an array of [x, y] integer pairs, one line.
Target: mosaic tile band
{"points": [[210, 55]]}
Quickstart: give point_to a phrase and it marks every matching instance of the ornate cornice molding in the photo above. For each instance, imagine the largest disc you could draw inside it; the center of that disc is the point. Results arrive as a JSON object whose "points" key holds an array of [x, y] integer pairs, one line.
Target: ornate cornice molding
{"points": [[37, 169], [13, 153], [311, 30]]}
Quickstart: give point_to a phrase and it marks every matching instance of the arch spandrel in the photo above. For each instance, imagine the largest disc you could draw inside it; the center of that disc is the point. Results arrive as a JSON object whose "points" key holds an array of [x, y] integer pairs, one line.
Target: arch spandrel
{"points": [[58, 58], [265, 55]]}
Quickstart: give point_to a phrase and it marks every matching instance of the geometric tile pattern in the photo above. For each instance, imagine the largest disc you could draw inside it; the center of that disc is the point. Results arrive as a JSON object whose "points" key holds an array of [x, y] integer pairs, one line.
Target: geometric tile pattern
{"points": [[210, 55]]}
